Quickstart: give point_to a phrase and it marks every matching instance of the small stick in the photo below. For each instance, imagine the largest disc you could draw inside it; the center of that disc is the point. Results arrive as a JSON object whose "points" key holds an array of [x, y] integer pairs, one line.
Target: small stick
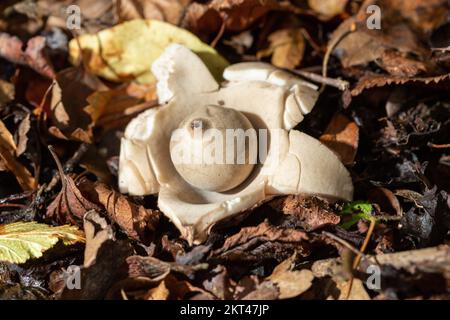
{"points": [[69, 165], [330, 49], [357, 260], [336, 83], [439, 146], [12, 205], [344, 243]]}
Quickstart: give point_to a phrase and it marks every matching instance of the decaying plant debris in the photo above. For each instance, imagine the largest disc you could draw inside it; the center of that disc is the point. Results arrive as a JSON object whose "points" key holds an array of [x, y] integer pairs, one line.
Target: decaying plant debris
{"points": [[384, 109]]}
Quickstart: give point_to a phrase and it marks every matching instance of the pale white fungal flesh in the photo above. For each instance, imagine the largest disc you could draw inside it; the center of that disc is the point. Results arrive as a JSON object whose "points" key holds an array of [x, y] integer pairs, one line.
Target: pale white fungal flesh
{"points": [[270, 99]]}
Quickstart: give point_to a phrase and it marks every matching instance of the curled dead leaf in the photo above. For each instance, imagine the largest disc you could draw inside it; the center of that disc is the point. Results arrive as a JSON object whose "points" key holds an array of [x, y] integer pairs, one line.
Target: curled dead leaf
{"points": [[8, 160], [310, 213], [135, 220], [342, 136], [291, 283]]}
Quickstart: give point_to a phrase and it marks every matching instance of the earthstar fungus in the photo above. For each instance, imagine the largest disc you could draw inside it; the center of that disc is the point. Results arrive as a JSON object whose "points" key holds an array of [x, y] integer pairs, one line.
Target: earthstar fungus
{"points": [[258, 97]]}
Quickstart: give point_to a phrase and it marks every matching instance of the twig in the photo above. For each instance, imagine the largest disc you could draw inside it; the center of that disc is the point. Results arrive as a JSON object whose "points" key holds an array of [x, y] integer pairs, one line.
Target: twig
{"points": [[18, 196], [68, 166], [331, 48], [219, 34], [344, 243], [76, 157], [439, 146], [336, 83], [12, 205], [357, 260]]}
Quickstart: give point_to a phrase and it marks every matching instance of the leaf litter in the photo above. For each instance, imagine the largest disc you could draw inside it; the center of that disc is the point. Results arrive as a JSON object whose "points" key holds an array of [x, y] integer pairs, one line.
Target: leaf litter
{"points": [[389, 124]]}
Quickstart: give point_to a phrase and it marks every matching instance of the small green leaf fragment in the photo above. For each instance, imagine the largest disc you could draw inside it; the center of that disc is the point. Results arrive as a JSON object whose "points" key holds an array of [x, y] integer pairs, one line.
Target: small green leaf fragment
{"points": [[357, 210]]}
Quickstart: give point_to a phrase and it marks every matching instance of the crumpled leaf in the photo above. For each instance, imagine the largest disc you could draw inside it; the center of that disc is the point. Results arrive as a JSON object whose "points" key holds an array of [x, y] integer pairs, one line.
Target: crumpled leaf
{"points": [[428, 220], [157, 270], [107, 267], [97, 231], [8, 160], [376, 80], [34, 55], [22, 241], [265, 231], [116, 56], [118, 104], [287, 47], [220, 284], [235, 15], [262, 242], [134, 219], [342, 136], [70, 92], [309, 213], [404, 26], [70, 205]]}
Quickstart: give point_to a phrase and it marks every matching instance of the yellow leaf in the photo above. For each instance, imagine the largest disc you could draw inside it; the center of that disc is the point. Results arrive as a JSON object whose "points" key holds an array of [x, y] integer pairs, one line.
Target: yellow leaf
{"points": [[287, 47], [127, 51], [328, 8], [21, 241]]}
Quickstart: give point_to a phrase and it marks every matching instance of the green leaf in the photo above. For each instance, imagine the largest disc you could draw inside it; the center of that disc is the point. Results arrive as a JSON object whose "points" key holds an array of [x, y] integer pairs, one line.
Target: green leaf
{"points": [[21, 241], [127, 50], [357, 210]]}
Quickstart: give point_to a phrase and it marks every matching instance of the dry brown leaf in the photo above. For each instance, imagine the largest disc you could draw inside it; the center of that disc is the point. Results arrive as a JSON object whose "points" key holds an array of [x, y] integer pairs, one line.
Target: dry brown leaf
{"points": [[220, 283], [357, 292], [265, 291], [397, 64], [71, 89], [134, 219], [180, 289], [149, 267], [158, 293], [97, 231], [166, 10], [386, 200], [377, 80], [118, 103], [11, 48], [237, 15], [8, 160], [70, 205], [265, 242], [287, 47], [22, 134], [422, 15], [34, 55], [398, 34], [342, 136], [310, 213], [264, 231], [109, 265], [291, 283], [157, 270]]}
